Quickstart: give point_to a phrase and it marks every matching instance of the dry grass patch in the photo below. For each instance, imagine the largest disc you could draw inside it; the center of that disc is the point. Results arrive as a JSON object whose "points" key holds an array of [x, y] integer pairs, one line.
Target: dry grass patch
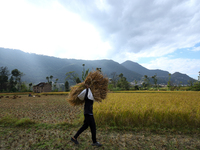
{"points": [[43, 109]]}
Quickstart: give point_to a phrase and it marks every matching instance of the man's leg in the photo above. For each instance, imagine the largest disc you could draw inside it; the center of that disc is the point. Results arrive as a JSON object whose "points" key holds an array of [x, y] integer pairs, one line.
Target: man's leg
{"points": [[83, 128], [93, 128]]}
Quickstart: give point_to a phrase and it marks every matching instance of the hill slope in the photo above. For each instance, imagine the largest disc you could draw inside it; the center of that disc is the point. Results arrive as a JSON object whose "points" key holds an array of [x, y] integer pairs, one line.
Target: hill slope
{"points": [[133, 66], [37, 67], [163, 76]]}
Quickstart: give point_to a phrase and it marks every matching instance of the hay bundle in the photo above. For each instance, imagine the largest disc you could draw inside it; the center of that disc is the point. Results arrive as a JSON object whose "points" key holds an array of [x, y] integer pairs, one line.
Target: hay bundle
{"points": [[96, 82]]}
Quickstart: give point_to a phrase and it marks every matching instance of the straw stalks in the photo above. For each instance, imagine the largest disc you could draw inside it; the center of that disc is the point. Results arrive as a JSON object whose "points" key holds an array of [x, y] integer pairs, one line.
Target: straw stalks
{"points": [[98, 84]]}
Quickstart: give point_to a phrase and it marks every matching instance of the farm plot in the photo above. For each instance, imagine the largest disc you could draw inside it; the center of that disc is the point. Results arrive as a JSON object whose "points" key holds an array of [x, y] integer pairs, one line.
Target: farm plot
{"points": [[164, 110], [43, 109], [167, 109]]}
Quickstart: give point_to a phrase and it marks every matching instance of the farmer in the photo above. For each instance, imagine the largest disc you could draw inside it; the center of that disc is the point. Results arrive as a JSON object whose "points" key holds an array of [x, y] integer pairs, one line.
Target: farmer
{"points": [[86, 95]]}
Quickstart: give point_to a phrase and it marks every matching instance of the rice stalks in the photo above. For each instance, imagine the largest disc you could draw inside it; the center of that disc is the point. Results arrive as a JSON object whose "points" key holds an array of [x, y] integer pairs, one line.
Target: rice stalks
{"points": [[96, 82]]}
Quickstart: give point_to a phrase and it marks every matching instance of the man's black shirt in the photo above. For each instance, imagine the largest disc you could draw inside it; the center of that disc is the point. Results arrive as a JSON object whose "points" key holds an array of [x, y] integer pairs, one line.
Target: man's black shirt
{"points": [[88, 107]]}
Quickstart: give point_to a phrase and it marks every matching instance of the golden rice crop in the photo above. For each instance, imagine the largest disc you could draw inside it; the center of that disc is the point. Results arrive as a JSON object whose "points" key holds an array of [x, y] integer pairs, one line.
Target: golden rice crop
{"points": [[166, 109], [54, 93]]}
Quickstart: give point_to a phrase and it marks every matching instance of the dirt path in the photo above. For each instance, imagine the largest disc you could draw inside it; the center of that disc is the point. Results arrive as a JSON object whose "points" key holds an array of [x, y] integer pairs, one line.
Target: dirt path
{"points": [[48, 138]]}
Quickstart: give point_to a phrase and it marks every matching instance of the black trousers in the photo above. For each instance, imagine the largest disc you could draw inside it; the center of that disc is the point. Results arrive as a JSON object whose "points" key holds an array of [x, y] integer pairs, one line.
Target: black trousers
{"points": [[89, 121]]}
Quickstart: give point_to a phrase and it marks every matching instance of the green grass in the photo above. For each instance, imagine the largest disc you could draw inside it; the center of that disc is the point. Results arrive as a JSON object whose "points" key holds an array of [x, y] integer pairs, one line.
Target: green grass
{"points": [[12, 121]]}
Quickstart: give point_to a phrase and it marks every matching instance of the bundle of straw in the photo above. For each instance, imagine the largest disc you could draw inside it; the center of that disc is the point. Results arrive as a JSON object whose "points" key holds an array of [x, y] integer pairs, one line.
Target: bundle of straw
{"points": [[96, 82]]}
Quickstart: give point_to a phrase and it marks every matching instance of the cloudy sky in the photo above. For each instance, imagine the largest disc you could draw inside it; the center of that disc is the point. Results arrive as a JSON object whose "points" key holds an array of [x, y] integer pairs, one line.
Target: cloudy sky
{"points": [[158, 34]]}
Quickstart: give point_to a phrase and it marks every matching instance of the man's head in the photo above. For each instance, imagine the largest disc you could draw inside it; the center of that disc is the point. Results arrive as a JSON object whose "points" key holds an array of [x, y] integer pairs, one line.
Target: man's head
{"points": [[86, 85]]}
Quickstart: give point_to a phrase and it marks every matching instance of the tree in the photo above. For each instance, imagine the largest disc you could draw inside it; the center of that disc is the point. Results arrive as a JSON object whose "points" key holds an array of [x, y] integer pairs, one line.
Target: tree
{"points": [[135, 81], [136, 86], [72, 76], [55, 85], [84, 73], [12, 84], [121, 75], [123, 83], [24, 87], [196, 86], [17, 75], [179, 85], [66, 86], [155, 80], [30, 85], [78, 80], [3, 78], [169, 82], [19, 80], [4, 71], [3, 83], [51, 77], [114, 79], [190, 82], [47, 79], [146, 81], [4, 74], [143, 84]]}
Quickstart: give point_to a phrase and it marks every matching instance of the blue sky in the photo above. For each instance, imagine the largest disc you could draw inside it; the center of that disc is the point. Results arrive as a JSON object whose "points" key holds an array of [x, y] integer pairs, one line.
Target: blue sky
{"points": [[158, 34]]}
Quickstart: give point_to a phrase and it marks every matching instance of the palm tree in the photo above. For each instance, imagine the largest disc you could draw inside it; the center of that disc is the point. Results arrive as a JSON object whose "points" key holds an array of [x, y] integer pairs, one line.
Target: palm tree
{"points": [[47, 79]]}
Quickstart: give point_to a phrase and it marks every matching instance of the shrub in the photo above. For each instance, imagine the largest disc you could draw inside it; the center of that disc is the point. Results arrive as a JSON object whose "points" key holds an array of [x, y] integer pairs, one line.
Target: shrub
{"points": [[196, 86]]}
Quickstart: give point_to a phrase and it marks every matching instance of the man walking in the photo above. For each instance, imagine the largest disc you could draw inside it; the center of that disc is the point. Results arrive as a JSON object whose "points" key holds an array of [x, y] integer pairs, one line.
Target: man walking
{"points": [[86, 95]]}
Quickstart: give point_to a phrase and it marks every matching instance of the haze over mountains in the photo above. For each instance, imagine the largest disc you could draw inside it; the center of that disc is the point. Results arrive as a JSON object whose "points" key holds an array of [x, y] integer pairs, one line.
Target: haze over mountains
{"points": [[37, 67]]}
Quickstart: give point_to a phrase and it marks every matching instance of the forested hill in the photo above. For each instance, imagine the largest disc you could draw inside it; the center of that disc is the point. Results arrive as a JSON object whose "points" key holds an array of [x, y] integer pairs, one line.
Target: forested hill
{"points": [[163, 76], [37, 67]]}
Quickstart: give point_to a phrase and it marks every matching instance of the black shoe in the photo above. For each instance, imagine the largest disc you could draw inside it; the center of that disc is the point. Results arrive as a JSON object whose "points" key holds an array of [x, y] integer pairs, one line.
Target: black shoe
{"points": [[75, 141], [97, 144]]}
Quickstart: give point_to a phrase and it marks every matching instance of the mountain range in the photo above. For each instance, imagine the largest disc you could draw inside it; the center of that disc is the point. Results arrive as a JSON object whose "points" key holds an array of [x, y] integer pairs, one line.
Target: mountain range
{"points": [[37, 67]]}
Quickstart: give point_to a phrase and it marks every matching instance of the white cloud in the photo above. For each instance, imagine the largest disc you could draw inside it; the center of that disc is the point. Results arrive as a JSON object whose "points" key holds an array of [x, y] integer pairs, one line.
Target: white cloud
{"points": [[195, 49], [152, 28], [186, 66], [96, 29], [128, 28], [51, 30]]}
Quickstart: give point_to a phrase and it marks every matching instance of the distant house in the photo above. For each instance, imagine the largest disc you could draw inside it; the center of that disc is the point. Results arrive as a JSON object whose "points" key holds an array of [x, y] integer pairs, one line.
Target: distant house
{"points": [[42, 87]]}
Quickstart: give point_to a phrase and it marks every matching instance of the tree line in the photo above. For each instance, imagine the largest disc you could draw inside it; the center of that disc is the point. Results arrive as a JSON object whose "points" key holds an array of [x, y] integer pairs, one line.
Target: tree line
{"points": [[119, 82], [10, 81]]}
